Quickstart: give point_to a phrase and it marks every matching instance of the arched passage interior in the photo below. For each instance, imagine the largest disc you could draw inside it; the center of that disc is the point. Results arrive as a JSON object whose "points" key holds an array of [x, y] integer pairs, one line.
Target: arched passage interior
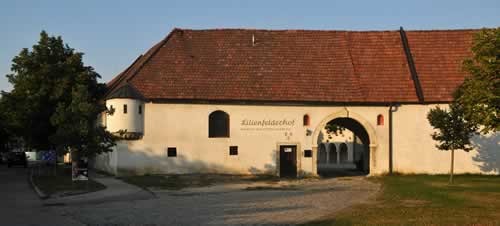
{"points": [[352, 137]]}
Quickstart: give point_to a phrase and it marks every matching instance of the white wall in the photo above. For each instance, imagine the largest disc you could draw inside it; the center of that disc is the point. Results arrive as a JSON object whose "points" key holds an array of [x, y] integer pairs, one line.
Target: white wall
{"points": [[107, 161], [415, 150], [185, 126], [132, 121]]}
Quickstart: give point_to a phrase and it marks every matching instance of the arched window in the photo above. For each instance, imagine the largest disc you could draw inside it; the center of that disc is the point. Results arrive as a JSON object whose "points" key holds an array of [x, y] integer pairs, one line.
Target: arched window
{"points": [[218, 124], [322, 154], [333, 153], [343, 152], [380, 120], [306, 120]]}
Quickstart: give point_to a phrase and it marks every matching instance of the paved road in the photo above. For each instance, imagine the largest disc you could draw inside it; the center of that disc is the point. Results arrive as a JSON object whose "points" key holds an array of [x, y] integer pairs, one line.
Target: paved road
{"points": [[19, 205]]}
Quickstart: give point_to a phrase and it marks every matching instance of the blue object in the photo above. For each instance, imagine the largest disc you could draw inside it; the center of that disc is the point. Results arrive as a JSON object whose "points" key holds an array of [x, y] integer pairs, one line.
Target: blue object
{"points": [[49, 156]]}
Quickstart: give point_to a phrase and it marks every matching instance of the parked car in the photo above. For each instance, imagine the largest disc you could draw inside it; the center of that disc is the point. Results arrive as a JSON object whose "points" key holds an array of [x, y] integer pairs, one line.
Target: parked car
{"points": [[17, 158]]}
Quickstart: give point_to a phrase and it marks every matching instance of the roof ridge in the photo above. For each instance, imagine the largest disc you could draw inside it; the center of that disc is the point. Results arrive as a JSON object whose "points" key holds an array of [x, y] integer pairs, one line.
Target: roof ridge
{"points": [[321, 30], [277, 30], [447, 30]]}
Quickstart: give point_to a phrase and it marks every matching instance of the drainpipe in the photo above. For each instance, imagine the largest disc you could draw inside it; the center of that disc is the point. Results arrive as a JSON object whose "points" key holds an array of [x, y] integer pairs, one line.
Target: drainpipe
{"points": [[392, 108]]}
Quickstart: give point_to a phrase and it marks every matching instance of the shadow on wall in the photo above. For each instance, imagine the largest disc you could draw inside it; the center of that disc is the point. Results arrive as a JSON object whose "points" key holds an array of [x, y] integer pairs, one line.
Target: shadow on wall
{"points": [[321, 137], [140, 162], [102, 162], [267, 169], [488, 152]]}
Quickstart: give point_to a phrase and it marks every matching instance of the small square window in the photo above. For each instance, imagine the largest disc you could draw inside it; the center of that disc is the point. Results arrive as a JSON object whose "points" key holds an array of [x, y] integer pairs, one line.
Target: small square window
{"points": [[140, 109], [172, 152], [308, 153], [124, 109], [233, 150]]}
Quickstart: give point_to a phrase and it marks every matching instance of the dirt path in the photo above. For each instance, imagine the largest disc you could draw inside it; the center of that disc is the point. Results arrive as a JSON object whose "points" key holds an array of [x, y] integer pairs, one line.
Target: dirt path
{"points": [[291, 204]]}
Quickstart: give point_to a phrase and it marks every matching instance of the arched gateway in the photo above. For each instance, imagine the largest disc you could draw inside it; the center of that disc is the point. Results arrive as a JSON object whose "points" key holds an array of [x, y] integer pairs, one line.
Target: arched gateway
{"points": [[355, 123]]}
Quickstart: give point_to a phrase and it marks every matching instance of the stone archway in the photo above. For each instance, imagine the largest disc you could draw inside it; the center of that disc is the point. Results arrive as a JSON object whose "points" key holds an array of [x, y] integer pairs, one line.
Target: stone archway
{"points": [[370, 135]]}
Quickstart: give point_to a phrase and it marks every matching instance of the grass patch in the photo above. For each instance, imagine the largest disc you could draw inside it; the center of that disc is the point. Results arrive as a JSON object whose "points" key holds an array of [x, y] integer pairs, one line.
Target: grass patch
{"points": [[167, 182], [177, 182], [61, 183], [427, 200], [102, 172]]}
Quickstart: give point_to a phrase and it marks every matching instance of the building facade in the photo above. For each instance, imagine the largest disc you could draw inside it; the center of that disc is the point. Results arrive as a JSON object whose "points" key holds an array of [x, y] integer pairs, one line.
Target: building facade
{"points": [[238, 101]]}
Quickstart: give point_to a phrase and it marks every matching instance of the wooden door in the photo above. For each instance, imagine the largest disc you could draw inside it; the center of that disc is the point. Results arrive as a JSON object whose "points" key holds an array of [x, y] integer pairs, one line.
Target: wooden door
{"points": [[288, 161]]}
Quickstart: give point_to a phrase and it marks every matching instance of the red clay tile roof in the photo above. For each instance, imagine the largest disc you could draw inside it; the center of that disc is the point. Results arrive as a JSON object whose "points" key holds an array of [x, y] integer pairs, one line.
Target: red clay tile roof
{"points": [[438, 57], [299, 65]]}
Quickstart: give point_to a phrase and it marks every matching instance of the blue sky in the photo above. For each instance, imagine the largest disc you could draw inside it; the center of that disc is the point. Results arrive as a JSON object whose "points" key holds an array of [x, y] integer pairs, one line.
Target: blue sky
{"points": [[113, 33]]}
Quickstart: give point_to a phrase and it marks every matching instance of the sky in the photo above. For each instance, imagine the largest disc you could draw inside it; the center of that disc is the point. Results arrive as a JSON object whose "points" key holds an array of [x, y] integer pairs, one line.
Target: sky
{"points": [[113, 33]]}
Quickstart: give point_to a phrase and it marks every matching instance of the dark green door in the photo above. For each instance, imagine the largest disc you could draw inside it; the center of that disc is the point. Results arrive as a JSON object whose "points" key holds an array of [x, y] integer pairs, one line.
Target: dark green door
{"points": [[288, 161]]}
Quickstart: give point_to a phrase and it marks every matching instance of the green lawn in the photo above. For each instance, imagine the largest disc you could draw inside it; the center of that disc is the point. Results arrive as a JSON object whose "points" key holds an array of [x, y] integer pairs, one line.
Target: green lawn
{"points": [[427, 200], [62, 184]]}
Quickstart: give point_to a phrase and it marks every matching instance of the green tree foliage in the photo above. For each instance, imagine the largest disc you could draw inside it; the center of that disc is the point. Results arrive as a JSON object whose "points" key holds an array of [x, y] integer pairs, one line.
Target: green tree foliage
{"points": [[453, 131], [480, 93], [32, 101], [333, 129], [55, 98], [76, 124], [4, 132]]}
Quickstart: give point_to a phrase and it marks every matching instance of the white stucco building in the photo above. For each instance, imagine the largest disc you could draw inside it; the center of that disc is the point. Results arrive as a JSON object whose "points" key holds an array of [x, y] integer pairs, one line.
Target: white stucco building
{"points": [[242, 101]]}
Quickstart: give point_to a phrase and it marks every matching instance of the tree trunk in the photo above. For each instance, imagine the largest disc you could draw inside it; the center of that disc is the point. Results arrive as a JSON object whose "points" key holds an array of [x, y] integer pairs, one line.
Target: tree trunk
{"points": [[451, 168], [75, 157]]}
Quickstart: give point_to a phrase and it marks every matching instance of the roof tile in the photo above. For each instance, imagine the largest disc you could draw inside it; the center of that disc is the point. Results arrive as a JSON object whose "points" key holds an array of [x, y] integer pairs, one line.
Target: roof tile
{"points": [[298, 65]]}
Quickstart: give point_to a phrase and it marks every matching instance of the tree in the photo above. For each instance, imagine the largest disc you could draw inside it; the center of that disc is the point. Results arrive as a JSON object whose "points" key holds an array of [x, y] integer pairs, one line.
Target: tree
{"points": [[4, 132], [453, 130], [333, 128], [55, 98], [39, 80], [77, 128], [479, 95]]}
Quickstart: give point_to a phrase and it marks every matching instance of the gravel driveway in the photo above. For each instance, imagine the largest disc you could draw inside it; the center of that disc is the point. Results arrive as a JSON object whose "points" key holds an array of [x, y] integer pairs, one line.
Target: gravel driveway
{"points": [[297, 203]]}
